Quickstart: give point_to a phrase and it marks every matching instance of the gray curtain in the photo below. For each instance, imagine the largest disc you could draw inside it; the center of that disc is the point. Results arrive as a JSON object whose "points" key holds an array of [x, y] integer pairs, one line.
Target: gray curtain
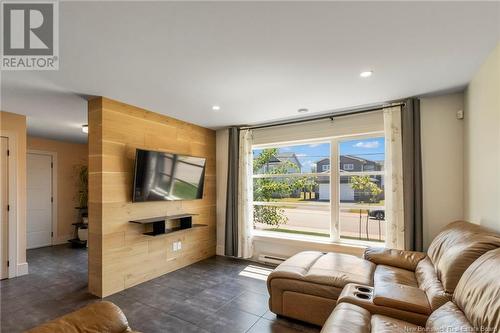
{"points": [[412, 175], [231, 237]]}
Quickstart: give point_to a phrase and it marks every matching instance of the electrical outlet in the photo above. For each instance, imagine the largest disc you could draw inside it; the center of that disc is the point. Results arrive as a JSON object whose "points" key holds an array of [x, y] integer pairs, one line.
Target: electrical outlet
{"points": [[179, 245], [174, 246]]}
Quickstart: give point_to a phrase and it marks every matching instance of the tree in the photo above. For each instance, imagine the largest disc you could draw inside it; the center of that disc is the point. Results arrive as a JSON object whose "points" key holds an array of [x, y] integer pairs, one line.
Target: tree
{"points": [[366, 185], [267, 188]]}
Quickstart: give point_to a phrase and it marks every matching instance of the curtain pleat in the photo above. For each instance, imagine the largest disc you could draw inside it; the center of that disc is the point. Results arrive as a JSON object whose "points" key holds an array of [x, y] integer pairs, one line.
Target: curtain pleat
{"points": [[231, 232], [412, 175]]}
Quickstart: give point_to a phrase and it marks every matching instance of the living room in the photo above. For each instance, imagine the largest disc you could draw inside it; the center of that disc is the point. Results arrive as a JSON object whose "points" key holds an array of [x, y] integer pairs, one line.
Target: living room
{"points": [[250, 166]]}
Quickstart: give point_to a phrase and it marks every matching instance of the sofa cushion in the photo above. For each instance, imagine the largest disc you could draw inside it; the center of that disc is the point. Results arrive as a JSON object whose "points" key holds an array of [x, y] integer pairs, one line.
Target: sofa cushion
{"points": [[388, 274], [348, 318], [478, 292], [384, 324], [448, 318], [456, 247], [354, 319], [331, 269]]}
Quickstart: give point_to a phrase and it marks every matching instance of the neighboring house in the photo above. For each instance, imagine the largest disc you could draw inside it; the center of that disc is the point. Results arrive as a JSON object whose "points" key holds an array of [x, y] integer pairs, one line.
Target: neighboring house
{"points": [[293, 166], [282, 159], [323, 165], [348, 164]]}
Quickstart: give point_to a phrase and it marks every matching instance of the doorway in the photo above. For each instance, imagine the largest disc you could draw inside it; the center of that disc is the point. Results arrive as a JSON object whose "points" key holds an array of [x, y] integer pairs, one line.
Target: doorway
{"points": [[4, 208], [40, 199]]}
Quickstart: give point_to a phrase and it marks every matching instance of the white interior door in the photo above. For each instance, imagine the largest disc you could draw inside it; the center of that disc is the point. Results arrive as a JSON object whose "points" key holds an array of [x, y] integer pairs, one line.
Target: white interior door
{"points": [[39, 214], [4, 202]]}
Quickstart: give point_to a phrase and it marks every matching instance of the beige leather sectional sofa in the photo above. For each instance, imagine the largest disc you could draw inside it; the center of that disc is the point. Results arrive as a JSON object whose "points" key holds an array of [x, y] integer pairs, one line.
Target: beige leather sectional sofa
{"points": [[388, 289]]}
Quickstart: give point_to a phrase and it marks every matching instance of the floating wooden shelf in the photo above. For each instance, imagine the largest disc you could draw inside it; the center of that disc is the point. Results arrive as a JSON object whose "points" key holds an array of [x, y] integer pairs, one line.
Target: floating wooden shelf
{"points": [[176, 229], [158, 223]]}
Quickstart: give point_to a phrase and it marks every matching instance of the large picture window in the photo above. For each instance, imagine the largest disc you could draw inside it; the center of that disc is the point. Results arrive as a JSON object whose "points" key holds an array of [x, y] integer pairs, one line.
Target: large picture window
{"points": [[286, 188], [331, 189]]}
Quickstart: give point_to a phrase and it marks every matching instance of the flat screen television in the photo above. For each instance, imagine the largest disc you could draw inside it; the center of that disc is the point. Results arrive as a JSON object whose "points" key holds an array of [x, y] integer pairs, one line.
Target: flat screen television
{"points": [[162, 176]]}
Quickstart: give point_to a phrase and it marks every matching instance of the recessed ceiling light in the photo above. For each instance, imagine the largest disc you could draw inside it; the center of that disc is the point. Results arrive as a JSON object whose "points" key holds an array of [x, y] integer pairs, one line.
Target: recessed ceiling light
{"points": [[216, 108], [303, 110], [366, 74], [85, 128]]}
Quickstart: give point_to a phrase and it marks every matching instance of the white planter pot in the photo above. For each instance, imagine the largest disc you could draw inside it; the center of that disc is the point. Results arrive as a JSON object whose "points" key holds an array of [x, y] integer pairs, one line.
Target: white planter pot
{"points": [[83, 234]]}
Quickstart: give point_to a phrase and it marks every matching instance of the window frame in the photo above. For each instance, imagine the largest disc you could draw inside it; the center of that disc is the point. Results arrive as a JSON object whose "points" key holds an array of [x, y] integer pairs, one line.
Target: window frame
{"points": [[334, 174], [351, 166], [339, 207]]}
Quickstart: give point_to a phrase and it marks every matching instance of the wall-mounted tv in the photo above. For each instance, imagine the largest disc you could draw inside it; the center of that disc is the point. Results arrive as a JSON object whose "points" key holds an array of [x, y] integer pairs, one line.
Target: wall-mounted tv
{"points": [[162, 176]]}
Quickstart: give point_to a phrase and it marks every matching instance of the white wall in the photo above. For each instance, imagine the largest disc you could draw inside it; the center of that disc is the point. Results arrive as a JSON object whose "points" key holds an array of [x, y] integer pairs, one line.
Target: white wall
{"points": [[482, 144], [442, 162]]}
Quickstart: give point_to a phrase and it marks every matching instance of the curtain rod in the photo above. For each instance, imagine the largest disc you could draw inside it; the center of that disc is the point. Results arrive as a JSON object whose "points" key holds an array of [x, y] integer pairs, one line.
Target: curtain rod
{"points": [[330, 116]]}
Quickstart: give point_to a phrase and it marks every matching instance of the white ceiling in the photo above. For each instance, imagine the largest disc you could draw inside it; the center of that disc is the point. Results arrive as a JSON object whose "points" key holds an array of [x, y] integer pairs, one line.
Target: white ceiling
{"points": [[260, 61]]}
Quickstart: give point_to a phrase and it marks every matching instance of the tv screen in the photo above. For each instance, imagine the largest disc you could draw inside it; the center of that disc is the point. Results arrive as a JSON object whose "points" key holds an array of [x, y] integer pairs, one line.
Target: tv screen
{"points": [[163, 176]]}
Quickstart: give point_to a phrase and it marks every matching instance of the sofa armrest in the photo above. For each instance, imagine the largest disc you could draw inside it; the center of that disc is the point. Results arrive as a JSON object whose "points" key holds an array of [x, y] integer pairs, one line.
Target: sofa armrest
{"points": [[96, 317], [391, 257], [403, 297]]}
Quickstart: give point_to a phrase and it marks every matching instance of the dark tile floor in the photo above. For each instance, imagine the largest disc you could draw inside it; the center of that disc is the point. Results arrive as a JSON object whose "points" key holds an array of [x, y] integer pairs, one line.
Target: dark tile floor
{"points": [[215, 295]]}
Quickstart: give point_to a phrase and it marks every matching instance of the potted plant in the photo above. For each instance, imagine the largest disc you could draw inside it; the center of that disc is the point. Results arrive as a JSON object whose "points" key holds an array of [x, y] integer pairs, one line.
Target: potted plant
{"points": [[83, 186], [81, 228]]}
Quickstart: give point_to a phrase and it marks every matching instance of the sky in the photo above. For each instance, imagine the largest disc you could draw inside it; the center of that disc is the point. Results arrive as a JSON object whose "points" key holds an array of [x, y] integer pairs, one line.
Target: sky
{"points": [[371, 149]]}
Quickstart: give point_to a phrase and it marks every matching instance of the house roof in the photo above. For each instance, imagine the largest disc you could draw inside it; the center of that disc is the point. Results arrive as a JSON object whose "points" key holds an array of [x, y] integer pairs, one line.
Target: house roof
{"points": [[282, 157], [360, 159]]}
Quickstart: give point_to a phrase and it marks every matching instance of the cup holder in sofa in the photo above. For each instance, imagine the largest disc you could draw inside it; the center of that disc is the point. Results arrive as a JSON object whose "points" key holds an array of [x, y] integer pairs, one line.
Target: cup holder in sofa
{"points": [[363, 289], [363, 295]]}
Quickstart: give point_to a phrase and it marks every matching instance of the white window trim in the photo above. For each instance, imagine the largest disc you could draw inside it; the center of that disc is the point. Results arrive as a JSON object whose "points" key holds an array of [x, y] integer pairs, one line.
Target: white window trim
{"points": [[335, 205], [292, 238], [287, 175]]}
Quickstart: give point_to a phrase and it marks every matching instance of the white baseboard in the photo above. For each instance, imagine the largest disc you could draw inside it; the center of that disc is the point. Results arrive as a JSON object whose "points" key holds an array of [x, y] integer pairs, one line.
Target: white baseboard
{"points": [[22, 269]]}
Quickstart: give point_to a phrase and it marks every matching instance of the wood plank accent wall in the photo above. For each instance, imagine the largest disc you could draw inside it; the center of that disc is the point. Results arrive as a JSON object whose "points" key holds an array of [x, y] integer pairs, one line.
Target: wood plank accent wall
{"points": [[119, 255]]}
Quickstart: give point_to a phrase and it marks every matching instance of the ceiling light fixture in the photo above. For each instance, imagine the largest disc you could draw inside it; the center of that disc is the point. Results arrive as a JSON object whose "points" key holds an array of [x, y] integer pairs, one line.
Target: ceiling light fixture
{"points": [[85, 128], [303, 110], [366, 74], [216, 108]]}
